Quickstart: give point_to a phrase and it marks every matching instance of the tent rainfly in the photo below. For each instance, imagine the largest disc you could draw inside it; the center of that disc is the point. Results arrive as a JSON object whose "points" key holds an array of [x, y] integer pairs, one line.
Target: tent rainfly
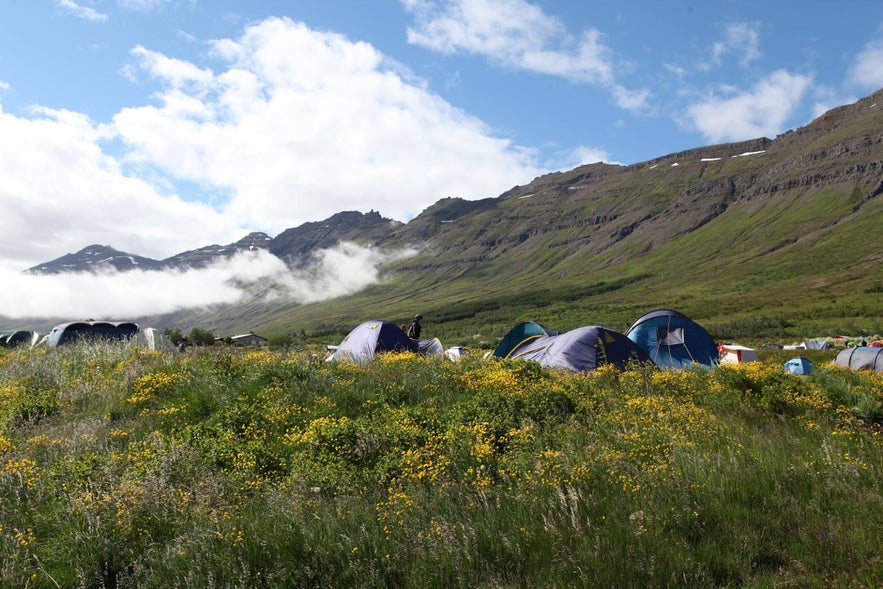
{"points": [[798, 365], [90, 330], [861, 358], [581, 350], [520, 334], [374, 337], [674, 340]]}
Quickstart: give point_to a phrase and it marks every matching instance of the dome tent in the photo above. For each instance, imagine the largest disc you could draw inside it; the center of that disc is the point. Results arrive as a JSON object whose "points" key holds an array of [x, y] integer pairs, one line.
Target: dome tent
{"points": [[582, 350], [674, 340], [374, 337], [518, 335], [798, 365]]}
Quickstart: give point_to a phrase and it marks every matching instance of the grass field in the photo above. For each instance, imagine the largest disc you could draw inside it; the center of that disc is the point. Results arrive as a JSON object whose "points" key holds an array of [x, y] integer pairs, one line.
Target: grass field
{"points": [[230, 468]]}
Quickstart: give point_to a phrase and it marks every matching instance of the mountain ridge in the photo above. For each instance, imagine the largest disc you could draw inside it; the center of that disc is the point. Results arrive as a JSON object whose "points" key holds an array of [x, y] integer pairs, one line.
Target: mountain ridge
{"points": [[704, 223]]}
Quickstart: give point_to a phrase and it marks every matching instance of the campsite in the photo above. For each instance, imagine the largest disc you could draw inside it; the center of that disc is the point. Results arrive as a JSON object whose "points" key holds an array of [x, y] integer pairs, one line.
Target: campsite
{"points": [[395, 464]]}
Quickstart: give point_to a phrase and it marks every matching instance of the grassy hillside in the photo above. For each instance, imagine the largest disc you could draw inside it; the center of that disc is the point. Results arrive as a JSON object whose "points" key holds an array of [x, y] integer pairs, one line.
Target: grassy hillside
{"points": [[782, 232], [223, 468]]}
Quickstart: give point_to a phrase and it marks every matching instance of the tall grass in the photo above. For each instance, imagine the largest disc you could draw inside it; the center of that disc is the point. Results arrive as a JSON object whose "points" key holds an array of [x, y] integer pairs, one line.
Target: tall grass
{"points": [[225, 468]]}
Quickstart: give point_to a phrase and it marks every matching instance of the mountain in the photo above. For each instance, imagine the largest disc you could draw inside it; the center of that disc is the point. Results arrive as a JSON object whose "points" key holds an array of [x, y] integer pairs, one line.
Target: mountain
{"points": [[769, 236], [96, 258]]}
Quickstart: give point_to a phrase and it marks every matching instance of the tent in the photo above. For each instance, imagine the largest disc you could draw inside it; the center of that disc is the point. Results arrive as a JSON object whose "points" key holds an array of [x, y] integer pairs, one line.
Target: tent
{"points": [[521, 333], [816, 344], [152, 339], [861, 358], [733, 354], [672, 339], [799, 365], [581, 350], [11, 338], [374, 337], [106, 330]]}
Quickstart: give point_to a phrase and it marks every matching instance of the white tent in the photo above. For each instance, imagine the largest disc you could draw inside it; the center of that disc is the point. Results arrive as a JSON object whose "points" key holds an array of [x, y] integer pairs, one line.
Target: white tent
{"points": [[733, 354]]}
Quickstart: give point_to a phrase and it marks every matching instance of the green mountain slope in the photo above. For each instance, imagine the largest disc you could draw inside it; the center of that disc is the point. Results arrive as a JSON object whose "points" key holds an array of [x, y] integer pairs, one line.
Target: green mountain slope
{"points": [[759, 239]]}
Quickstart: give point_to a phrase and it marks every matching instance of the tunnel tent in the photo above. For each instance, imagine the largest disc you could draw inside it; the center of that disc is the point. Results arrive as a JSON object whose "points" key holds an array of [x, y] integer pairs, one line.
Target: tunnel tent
{"points": [[861, 358], [374, 337], [673, 340], [582, 350], [90, 330], [520, 334], [11, 338]]}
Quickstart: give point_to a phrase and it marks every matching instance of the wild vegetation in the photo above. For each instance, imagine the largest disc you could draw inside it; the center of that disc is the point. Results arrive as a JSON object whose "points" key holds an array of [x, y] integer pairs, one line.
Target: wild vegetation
{"points": [[223, 467]]}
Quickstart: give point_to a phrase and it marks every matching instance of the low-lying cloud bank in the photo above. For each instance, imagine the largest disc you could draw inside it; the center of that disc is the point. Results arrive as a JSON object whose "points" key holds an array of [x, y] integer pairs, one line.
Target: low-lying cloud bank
{"points": [[330, 273]]}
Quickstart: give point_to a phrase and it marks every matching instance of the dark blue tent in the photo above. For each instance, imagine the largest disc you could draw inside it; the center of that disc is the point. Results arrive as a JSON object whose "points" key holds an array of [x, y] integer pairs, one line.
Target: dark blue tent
{"points": [[91, 330], [581, 350], [861, 358], [521, 333], [374, 337], [799, 365], [18, 337], [672, 339]]}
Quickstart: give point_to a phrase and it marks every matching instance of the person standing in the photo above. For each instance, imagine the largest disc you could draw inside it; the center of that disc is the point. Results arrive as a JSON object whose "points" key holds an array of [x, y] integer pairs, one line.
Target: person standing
{"points": [[414, 328]]}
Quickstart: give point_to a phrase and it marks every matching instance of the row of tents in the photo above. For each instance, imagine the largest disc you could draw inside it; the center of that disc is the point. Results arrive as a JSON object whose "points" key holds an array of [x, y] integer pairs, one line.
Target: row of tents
{"points": [[75, 331], [663, 337]]}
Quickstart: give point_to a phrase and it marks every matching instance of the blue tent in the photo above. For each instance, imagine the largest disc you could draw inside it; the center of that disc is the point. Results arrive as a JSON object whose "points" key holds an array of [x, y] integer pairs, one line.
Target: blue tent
{"points": [[91, 330], [374, 337], [581, 350], [674, 340], [798, 366], [521, 333]]}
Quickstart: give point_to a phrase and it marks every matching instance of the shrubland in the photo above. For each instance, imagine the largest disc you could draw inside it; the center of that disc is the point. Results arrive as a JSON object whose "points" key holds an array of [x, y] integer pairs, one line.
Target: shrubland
{"points": [[225, 467]]}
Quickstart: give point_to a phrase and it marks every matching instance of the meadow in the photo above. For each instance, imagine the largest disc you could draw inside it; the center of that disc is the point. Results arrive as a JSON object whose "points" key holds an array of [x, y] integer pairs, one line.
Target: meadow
{"points": [[225, 467]]}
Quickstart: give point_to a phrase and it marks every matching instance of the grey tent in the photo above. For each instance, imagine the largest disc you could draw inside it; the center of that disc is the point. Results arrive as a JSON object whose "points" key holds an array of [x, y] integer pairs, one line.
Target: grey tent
{"points": [[582, 350], [91, 330], [151, 338], [374, 337], [861, 358]]}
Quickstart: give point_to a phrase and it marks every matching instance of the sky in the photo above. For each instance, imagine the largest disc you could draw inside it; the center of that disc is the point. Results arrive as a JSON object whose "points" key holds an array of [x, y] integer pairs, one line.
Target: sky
{"points": [[159, 126]]}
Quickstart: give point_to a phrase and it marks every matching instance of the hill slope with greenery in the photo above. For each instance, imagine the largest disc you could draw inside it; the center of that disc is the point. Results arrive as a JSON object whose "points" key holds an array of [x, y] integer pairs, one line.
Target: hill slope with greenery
{"points": [[769, 238]]}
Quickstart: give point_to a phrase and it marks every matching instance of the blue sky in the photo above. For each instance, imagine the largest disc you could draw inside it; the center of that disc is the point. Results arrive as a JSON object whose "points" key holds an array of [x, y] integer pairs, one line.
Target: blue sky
{"points": [[157, 126]]}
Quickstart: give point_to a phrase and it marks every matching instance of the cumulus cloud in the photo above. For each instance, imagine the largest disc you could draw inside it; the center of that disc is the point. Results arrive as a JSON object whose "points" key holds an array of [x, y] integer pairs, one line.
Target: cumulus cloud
{"points": [[61, 192], [298, 124], [867, 70], [84, 12], [293, 126], [761, 111], [519, 35], [255, 275]]}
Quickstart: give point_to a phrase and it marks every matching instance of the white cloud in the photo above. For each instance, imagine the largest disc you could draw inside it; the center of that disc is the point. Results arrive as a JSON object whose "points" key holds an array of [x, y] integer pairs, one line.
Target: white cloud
{"points": [[61, 192], [302, 124], [143, 5], [586, 155], [741, 39], [247, 276], [83, 12], [517, 34], [867, 71], [762, 111]]}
